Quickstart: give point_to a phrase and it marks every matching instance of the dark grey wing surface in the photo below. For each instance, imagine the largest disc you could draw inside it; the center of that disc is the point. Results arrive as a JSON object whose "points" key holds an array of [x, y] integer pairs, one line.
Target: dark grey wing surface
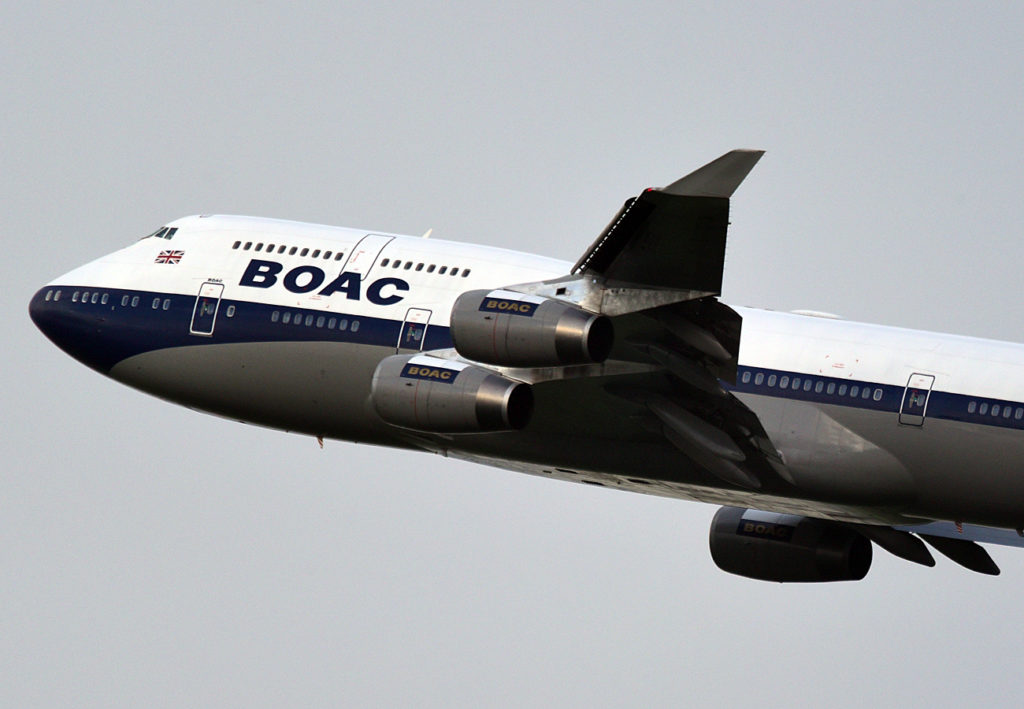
{"points": [[673, 237], [656, 270]]}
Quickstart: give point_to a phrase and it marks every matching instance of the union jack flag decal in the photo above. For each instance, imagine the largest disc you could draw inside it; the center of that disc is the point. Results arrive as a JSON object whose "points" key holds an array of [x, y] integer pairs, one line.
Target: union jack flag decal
{"points": [[169, 257]]}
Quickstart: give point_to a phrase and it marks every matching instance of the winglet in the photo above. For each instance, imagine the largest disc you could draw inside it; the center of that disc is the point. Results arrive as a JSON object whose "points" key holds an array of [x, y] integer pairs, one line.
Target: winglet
{"points": [[719, 178]]}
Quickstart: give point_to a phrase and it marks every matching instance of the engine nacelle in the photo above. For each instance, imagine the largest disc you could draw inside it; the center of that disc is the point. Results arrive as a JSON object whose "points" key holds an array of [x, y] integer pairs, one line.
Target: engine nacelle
{"points": [[430, 394], [517, 330], [787, 548]]}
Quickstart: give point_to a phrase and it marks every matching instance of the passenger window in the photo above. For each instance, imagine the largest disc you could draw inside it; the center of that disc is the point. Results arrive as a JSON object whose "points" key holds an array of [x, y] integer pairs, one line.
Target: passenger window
{"points": [[1006, 412], [842, 390], [327, 255], [385, 261], [316, 253], [807, 384], [1018, 414], [95, 297], [396, 264], [292, 250], [74, 298], [854, 390], [105, 299], [156, 303], [972, 407], [995, 409], [49, 294], [419, 267], [304, 252], [167, 303], [281, 249], [759, 378], [236, 244], [309, 320], [819, 386], [85, 296], [320, 321], [230, 312], [298, 319], [866, 394], [275, 316], [784, 382], [796, 383], [331, 323], [465, 272], [430, 268], [746, 377], [343, 325], [878, 395], [442, 270], [830, 389], [259, 246], [124, 301], [286, 318], [983, 408], [338, 256], [454, 272], [355, 325], [270, 248], [248, 245], [771, 380], [408, 265], [56, 296], [135, 301]]}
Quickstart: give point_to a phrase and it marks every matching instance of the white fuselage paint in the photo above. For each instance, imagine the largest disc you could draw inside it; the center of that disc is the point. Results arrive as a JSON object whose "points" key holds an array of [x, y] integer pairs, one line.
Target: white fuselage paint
{"points": [[849, 460]]}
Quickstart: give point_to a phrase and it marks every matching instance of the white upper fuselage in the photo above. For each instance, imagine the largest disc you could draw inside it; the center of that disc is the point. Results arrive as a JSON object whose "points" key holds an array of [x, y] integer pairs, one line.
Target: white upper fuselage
{"points": [[933, 430]]}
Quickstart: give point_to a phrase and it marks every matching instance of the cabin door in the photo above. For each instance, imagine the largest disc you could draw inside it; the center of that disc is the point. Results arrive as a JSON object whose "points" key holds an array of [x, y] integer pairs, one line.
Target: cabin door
{"points": [[915, 399], [364, 254], [414, 330], [204, 314]]}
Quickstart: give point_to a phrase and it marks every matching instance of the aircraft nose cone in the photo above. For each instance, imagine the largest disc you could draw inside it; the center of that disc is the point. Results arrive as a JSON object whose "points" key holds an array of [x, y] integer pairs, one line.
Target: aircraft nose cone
{"points": [[75, 329]]}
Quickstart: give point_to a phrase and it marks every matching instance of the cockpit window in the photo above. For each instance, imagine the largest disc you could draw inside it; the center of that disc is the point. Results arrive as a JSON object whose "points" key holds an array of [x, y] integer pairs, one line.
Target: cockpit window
{"points": [[162, 233]]}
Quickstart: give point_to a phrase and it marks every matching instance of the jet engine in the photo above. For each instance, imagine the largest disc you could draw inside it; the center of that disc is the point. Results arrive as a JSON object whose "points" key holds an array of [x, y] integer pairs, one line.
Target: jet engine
{"points": [[517, 330], [787, 548], [431, 394]]}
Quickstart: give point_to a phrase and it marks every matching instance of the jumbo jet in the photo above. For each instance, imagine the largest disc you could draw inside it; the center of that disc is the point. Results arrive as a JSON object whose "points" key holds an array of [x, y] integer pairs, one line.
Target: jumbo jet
{"points": [[820, 438]]}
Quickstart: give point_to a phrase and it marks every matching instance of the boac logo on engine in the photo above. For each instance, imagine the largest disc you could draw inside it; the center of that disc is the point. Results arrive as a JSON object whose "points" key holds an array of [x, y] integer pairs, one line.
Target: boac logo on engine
{"points": [[504, 305], [305, 279], [437, 374]]}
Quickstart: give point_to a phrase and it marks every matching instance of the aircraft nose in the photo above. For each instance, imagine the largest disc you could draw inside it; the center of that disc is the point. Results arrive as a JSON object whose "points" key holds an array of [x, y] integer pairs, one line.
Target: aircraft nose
{"points": [[76, 330], [42, 313]]}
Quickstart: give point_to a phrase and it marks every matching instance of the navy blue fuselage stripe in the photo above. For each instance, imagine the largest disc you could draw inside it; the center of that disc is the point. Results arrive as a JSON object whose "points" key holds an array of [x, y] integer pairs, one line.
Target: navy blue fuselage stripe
{"points": [[108, 334], [125, 331]]}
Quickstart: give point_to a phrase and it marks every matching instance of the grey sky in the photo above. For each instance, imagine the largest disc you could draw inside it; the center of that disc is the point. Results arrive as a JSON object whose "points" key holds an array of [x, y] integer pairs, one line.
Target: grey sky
{"points": [[154, 556]]}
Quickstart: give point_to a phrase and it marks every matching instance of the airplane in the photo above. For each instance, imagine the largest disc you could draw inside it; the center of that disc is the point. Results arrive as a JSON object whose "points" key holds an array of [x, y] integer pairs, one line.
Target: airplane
{"points": [[820, 438]]}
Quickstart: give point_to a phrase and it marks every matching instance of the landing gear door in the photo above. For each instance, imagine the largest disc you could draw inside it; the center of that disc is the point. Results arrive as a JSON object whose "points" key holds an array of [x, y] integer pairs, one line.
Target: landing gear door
{"points": [[204, 315], [414, 330], [915, 399]]}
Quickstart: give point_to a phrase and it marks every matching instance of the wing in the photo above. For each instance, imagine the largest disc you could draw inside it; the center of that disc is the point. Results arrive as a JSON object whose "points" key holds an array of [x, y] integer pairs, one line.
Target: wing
{"points": [[656, 271], [673, 237]]}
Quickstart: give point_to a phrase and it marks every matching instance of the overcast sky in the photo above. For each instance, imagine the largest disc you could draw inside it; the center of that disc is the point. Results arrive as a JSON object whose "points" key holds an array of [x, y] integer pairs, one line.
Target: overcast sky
{"points": [[153, 556]]}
